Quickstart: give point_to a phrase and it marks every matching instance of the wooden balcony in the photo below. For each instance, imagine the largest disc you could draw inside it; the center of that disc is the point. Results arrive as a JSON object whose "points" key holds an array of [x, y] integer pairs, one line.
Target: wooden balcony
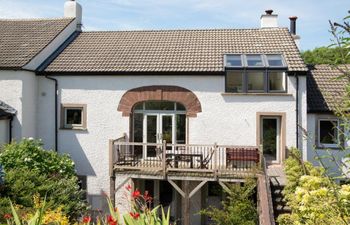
{"points": [[183, 161]]}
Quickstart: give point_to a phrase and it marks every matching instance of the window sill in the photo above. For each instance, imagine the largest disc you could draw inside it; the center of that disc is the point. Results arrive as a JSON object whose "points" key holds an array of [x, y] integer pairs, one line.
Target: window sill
{"points": [[256, 94], [320, 147], [74, 128]]}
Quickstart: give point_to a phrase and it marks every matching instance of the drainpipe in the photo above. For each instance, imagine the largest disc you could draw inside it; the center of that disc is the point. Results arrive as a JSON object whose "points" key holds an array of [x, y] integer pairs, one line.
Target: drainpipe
{"points": [[297, 109], [10, 130], [56, 101]]}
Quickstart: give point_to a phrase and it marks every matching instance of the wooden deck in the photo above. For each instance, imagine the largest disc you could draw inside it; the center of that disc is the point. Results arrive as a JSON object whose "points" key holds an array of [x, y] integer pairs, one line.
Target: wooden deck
{"points": [[180, 161]]}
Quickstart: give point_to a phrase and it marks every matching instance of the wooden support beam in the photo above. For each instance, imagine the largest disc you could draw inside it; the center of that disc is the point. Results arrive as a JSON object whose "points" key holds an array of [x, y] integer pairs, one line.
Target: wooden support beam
{"points": [[224, 186], [186, 203], [112, 189], [177, 188], [199, 186], [123, 183]]}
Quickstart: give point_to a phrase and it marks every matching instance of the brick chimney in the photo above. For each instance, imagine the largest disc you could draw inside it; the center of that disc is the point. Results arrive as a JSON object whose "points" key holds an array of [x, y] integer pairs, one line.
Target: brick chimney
{"points": [[293, 29], [268, 19], [73, 9]]}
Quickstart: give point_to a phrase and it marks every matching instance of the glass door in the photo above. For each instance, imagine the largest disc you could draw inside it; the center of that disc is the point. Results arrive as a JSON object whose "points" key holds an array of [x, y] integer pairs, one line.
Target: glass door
{"points": [[271, 138], [166, 132], [151, 134]]}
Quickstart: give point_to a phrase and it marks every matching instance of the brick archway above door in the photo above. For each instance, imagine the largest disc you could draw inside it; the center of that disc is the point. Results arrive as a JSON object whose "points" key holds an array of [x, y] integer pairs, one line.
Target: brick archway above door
{"points": [[160, 93]]}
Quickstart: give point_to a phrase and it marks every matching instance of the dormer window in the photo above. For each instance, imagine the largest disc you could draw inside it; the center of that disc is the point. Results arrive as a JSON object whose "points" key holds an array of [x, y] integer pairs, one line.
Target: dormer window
{"points": [[255, 73]]}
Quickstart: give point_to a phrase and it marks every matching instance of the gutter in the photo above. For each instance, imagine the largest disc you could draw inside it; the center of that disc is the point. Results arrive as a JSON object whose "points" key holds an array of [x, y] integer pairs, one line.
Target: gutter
{"points": [[10, 130], [56, 108], [297, 110]]}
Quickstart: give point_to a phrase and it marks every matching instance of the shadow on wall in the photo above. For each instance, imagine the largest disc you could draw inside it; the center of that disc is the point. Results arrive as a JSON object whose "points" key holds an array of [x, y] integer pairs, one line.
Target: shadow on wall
{"points": [[75, 150]]}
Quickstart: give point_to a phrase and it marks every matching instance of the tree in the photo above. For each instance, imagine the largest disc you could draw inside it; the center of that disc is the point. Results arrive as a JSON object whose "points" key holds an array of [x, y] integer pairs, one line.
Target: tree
{"points": [[325, 55]]}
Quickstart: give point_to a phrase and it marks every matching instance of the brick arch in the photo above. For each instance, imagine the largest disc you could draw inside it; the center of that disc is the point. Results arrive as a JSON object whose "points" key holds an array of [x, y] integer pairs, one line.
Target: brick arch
{"points": [[161, 93]]}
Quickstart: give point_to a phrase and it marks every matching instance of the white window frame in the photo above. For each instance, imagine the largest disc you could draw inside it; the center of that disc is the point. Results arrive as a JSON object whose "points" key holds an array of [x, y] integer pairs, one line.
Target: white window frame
{"points": [[319, 132]]}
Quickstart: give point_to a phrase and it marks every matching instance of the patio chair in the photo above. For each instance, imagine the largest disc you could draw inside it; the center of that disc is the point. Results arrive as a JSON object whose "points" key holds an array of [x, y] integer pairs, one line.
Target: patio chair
{"points": [[205, 162]]}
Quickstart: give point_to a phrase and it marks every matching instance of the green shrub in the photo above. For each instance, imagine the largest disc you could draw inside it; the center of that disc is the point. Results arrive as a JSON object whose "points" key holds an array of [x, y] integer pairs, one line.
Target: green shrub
{"points": [[30, 170], [29, 154], [238, 208]]}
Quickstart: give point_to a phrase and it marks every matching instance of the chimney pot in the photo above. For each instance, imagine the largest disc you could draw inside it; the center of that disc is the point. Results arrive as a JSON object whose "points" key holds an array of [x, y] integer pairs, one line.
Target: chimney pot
{"points": [[293, 24], [269, 11]]}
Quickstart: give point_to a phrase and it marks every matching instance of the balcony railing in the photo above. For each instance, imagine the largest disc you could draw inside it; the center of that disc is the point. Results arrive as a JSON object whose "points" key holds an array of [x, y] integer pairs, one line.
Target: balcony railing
{"points": [[165, 158]]}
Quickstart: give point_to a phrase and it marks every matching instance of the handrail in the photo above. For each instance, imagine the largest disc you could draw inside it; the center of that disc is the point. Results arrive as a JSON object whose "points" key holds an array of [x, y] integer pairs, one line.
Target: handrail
{"points": [[184, 157], [268, 190]]}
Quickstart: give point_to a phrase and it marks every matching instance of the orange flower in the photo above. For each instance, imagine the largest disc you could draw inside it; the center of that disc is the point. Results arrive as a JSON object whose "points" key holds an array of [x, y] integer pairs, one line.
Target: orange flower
{"points": [[135, 215], [136, 194], [7, 216], [86, 219]]}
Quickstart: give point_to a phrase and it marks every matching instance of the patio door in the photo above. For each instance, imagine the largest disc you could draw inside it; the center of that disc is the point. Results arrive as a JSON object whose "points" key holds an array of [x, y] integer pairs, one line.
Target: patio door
{"points": [[158, 121], [158, 127], [270, 138]]}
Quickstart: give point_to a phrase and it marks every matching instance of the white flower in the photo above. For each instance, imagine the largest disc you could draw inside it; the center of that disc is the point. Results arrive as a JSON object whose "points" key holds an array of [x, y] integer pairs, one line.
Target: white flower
{"points": [[31, 138], [61, 171], [27, 159]]}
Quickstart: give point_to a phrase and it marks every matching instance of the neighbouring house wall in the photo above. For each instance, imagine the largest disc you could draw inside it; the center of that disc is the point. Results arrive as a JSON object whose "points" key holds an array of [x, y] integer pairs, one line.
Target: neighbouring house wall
{"points": [[315, 151], [19, 90], [225, 118], [4, 131]]}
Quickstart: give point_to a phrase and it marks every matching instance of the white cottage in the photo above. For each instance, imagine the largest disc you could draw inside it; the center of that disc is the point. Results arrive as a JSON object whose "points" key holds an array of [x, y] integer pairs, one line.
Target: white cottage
{"points": [[174, 112]]}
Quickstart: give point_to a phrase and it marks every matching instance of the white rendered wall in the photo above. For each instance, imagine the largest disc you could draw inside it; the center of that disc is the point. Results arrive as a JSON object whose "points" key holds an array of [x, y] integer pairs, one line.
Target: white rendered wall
{"points": [[4, 132], [225, 119], [19, 90]]}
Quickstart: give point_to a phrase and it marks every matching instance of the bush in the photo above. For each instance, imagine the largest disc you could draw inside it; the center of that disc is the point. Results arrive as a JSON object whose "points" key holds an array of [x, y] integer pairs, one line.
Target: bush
{"points": [[30, 170], [238, 208], [30, 155], [313, 197]]}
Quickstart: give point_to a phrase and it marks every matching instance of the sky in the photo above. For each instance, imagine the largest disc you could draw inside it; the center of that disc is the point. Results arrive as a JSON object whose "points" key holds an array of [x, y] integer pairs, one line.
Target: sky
{"points": [[312, 23]]}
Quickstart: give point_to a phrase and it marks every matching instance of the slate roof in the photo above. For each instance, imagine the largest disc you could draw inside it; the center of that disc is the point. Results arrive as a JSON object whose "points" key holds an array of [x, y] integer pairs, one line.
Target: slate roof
{"points": [[21, 40], [171, 50], [324, 88], [6, 111]]}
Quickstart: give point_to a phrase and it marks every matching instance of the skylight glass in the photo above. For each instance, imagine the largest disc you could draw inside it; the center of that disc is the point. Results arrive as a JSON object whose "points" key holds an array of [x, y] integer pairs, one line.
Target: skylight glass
{"points": [[234, 60], [275, 60], [255, 61]]}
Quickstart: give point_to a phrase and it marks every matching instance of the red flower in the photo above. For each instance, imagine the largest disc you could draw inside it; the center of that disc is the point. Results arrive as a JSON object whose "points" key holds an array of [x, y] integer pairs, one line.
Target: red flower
{"points": [[136, 194], [128, 187], [86, 219], [111, 221], [135, 215], [7, 216]]}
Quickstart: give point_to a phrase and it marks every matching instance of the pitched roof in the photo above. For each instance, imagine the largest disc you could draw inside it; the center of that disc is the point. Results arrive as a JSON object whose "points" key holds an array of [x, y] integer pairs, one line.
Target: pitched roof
{"points": [[324, 88], [171, 50], [21, 40], [6, 110]]}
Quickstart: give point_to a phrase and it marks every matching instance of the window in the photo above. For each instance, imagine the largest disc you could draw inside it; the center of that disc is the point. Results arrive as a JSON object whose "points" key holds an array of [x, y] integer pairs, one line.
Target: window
{"points": [[234, 81], [255, 81], [255, 73], [254, 61], [328, 135], [275, 60], [73, 116], [277, 81], [234, 60]]}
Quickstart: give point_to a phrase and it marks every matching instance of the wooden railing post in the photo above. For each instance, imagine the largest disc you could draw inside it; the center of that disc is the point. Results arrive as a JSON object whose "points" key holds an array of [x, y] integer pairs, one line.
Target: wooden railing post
{"points": [[215, 166], [164, 157], [111, 172], [261, 156]]}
